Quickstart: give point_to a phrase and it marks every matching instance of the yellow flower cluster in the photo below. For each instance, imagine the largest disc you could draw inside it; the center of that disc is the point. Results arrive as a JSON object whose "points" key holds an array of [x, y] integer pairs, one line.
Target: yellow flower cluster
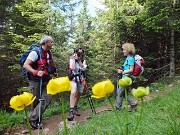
{"points": [[61, 84], [19, 102], [102, 89], [124, 82], [140, 92], [58, 85]]}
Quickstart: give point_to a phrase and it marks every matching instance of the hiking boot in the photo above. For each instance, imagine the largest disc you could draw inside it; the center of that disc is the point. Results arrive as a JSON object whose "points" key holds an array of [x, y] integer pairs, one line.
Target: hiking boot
{"points": [[70, 117], [117, 108], [40, 125], [132, 107], [76, 112], [33, 125]]}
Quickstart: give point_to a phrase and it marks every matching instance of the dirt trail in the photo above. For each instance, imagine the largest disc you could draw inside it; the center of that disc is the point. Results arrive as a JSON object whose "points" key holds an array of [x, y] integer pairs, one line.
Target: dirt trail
{"points": [[54, 123]]}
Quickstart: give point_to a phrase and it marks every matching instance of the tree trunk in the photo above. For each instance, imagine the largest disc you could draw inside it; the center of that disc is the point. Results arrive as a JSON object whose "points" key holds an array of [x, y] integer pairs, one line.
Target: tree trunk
{"points": [[172, 66]]}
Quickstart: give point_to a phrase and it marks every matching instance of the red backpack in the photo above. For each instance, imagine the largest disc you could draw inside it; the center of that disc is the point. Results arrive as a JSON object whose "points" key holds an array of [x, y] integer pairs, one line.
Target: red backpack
{"points": [[138, 65]]}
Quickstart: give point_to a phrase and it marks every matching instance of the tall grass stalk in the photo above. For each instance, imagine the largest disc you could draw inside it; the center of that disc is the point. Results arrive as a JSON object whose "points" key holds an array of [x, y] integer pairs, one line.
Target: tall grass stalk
{"points": [[126, 112], [117, 117], [139, 118], [27, 121], [63, 113]]}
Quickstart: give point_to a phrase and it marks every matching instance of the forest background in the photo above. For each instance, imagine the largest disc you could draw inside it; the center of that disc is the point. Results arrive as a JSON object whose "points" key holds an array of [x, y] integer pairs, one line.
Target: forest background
{"points": [[152, 25]]}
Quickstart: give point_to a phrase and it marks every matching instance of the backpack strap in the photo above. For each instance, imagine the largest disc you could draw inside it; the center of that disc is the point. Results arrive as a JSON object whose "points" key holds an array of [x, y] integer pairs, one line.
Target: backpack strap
{"points": [[70, 71], [68, 68], [38, 50], [50, 62], [134, 60], [130, 75], [40, 53]]}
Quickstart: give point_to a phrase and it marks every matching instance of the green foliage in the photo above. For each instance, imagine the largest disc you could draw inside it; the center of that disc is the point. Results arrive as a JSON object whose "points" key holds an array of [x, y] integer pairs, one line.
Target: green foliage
{"points": [[161, 84], [23, 89], [144, 23], [157, 15], [33, 20], [10, 119], [147, 24], [54, 109]]}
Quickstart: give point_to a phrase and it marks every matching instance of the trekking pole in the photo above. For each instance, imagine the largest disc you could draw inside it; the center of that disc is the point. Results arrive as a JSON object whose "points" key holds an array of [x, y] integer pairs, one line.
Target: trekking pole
{"points": [[40, 103], [91, 103], [118, 77], [40, 92]]}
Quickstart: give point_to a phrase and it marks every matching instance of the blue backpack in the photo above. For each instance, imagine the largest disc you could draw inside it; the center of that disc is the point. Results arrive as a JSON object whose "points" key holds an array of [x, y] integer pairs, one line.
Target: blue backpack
{"points": [[33, 47]]}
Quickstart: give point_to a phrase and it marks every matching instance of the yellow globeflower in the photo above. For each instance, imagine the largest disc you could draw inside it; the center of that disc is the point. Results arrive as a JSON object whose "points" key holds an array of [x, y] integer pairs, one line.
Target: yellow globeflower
{"points": [[126, 81], [140, 92], [19, 102], [27, 98], [58, 85], [102, 89]]}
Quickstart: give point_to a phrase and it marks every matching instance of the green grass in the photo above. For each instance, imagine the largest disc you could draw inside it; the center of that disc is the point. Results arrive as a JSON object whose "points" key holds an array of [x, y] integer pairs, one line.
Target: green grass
{"points": [[8, 120], [161, 117], [161, 84]]}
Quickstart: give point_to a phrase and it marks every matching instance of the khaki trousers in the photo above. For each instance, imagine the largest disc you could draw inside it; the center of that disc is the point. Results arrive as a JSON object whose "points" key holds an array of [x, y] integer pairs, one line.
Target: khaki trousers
{"points": [[46, 100]]}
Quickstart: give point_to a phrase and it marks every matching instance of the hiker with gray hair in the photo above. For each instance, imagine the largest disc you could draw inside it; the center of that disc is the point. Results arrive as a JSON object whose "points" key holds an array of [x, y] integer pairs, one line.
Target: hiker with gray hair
{"points": [[40, 67]]}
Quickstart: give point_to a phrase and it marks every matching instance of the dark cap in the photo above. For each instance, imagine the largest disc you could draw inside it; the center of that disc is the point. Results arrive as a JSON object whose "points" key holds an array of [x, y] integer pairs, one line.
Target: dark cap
{"points": [[77, 49]]}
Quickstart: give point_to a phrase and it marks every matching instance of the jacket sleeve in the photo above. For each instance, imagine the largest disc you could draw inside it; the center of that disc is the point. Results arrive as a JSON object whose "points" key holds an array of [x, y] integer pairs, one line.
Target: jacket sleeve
{"points": [[85, 66]]}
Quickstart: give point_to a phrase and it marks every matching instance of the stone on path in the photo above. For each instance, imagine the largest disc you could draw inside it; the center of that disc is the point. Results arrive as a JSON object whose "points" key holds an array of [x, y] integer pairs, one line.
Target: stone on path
{"points": [[46, 131], [25, 131], [69, 124]]}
